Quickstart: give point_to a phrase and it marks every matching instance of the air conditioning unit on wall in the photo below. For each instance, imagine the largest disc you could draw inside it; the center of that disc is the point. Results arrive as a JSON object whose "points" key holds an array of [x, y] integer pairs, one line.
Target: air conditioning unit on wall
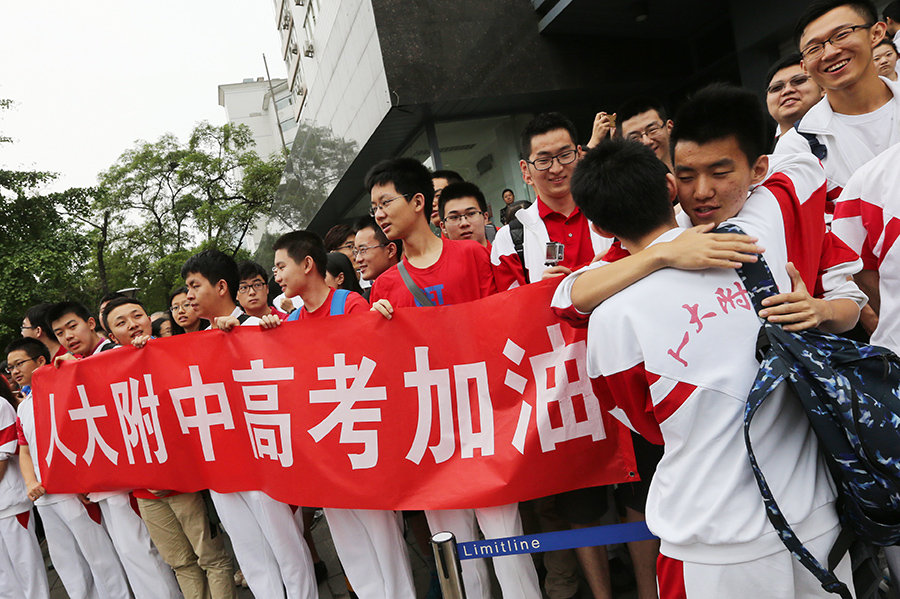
{"points": [[308, 50]]}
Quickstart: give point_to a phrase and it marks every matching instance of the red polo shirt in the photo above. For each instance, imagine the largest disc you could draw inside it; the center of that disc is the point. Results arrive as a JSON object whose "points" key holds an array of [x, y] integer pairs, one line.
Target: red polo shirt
{"points": [[572, 231]]}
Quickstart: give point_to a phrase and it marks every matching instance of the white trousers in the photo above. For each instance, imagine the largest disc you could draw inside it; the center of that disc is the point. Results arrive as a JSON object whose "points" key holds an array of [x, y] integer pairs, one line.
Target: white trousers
{"points": [[776, 576], [22, 572], [149, 576], [515, 573], [82, 552], [373, 553], [268, 544]]}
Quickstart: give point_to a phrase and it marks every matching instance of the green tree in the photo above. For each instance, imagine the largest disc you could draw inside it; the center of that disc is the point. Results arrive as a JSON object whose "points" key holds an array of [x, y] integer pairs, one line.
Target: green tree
{"points": [[166, 200]]}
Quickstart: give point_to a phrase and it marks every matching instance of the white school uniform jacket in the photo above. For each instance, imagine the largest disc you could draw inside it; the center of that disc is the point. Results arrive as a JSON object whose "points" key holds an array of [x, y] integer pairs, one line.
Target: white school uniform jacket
{"points": [[846, 151], [680, 372], [534, 244], [13, 495], [867, 218]]}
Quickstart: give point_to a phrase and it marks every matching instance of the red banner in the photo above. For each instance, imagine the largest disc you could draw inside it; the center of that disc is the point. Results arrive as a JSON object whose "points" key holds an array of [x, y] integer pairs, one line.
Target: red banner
{"points": [[480, 404]]}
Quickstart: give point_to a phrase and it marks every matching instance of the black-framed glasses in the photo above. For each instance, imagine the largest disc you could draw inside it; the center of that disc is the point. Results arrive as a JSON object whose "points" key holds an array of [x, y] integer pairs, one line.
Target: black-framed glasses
{"points": [[257, 286], [455, 218], [361, 250], [545, 162], [838, 39], [649, 131], [18, 365], [383, 204], [795, 82], [25, 328]]}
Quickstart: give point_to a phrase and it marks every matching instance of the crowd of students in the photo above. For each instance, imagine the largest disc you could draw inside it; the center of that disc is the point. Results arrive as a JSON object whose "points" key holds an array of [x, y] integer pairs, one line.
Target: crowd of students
{"points": [[627, 227]]}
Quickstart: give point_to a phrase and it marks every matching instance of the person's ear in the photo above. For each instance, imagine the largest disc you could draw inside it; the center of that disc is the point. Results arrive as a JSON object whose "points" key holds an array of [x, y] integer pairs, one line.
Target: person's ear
{"points": [[308, 265], [392, 250], [526, 174], [221, 287], [92, 323], [759, 169], [40, 361], [339, 279]]}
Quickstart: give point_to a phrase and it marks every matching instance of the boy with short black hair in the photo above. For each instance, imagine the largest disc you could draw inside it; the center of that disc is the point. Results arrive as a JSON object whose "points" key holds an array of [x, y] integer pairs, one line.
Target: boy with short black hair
{"points": [[147, 573], [22, 572], [177, 522], [300, 261], [82, 552], [439, 180], [462, 209], [36, 325], [442, 272], [253, 290], [373, 252], [267, 540], [672, 382], [369, 542], [75, 329], [860, 115], [456, 271]]}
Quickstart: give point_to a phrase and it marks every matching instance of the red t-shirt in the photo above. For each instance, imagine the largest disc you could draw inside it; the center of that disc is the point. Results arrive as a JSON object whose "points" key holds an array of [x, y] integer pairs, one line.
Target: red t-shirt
{"points": [[461, 274], [355, 303], [572, 231]]}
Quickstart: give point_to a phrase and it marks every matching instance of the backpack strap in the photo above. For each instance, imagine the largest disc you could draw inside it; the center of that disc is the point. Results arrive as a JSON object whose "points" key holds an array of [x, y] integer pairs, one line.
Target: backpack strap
{"points": [[815, 146], [338, 302], [758, 280], [243, 317], [413, 288], [517, 233]]}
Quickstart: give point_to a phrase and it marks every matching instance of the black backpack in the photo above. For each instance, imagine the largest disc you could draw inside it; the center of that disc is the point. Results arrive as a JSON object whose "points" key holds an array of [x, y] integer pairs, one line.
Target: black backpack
{"points": [[851, 394]]}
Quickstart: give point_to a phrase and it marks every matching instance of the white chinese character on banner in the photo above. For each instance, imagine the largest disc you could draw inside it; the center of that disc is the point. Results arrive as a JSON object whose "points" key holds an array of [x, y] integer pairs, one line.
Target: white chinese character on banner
{"points": [[560, 378], [345, 414], [89, 414], [138, 427], [55, 441], [424, 378], [271, 432], [203, 420]]}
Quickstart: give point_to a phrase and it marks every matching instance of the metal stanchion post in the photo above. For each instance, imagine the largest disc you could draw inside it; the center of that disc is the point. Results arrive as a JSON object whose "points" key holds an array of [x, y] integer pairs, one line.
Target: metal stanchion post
{"points": [[449, 568]]}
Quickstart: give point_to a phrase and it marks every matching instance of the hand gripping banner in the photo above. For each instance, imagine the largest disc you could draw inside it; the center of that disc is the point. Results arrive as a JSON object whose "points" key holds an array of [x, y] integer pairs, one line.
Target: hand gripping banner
{"points": [[479, 404]]}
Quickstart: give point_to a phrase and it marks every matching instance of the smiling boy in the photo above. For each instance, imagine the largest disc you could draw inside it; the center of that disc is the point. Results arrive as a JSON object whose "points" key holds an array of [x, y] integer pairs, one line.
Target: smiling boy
{"points": [[461, 208], [860, 117]]}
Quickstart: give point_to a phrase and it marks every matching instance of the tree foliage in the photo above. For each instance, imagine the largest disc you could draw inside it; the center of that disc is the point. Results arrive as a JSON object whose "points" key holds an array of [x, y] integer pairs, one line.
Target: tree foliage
{"points": [[158, 204]]}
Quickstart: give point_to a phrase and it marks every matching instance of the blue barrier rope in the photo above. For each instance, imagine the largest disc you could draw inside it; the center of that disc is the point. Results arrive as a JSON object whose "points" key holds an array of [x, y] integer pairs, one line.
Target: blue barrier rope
{"points": [[552, 541]]}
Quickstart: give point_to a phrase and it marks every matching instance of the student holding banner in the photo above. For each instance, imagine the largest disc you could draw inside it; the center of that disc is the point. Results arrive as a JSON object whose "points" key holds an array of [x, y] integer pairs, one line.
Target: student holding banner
{"points": [[177, 522], [267, 540], [81, 550], [435, 271]]}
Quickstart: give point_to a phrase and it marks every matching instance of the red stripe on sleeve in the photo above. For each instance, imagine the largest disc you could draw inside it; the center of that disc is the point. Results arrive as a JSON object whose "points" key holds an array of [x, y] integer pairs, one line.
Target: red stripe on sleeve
{"points": [[8, 434], [674, 400], [20, 432]]}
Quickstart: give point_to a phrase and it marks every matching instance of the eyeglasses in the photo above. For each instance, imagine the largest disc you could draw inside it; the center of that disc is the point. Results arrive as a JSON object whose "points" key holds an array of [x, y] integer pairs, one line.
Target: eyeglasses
{"points": [[24, 328], [840, 37], [257, 286], [18, 365], [384, 204], [455, 218], [183, 307], [795, 82], [346, 246], [563, 158], [361, 250], [650, 131]]}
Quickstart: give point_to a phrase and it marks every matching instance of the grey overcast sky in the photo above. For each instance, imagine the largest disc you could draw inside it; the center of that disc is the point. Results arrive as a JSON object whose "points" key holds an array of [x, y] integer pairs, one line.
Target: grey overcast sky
{"points": [[89, 78]]}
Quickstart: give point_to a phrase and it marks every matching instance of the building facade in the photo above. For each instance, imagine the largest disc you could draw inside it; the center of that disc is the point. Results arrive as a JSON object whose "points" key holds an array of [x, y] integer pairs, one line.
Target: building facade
{"points": [[452, 82], [251, 103]]}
